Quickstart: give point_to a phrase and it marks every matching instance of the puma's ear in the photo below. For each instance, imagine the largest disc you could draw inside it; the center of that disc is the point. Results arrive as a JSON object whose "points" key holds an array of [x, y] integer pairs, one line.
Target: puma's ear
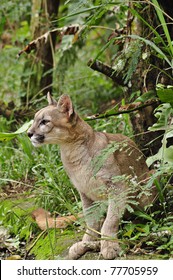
{"points": [[65, 105], [50, 99]]}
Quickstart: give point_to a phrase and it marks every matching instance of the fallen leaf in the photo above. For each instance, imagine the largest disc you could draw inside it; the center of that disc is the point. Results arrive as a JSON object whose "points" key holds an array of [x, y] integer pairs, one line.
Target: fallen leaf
{"points": [[44, 220]]}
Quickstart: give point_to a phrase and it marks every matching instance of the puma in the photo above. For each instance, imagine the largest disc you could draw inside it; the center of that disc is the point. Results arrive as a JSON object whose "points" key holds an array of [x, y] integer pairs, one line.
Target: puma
{"points": [[80, 145]]}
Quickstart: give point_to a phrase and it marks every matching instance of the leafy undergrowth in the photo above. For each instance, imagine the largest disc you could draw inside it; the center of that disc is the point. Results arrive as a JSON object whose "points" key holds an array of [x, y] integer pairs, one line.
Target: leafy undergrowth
{"points": [[148, 238], [17, 226], [143, 237], [34, 181], [20, 236], [54, 243], [27, 172]]}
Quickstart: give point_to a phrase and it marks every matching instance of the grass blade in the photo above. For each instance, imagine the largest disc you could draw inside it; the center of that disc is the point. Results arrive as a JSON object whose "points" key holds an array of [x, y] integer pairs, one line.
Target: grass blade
{"points": [[163, 23]]}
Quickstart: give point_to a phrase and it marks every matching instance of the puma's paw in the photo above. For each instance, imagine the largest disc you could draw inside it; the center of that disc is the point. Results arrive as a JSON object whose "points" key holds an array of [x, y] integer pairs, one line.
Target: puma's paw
{"points": [[80, 248], [76, 250], [110, 250]]}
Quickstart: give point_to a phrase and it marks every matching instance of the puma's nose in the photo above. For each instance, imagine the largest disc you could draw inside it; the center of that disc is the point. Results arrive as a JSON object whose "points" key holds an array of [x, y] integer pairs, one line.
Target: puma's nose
{"points": [[30, 134]]}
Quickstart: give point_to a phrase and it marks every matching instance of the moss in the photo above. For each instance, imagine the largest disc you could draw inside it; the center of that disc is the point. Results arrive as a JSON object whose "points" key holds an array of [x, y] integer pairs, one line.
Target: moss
{"points": [[54, 244], [50, 244], [15, 216]]}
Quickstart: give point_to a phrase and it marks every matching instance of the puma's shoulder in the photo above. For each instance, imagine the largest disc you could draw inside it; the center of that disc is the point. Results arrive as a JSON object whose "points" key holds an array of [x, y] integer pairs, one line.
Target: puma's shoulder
{"points": [[128, 156]]}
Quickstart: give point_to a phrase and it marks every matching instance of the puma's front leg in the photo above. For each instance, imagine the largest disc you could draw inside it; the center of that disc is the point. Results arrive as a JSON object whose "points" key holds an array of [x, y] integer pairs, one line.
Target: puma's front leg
{"points": [[89, 241], [109, 245]]}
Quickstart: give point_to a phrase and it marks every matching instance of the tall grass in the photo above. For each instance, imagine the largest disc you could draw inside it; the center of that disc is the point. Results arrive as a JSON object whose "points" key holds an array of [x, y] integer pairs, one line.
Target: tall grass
{"points": [[42, 170]]}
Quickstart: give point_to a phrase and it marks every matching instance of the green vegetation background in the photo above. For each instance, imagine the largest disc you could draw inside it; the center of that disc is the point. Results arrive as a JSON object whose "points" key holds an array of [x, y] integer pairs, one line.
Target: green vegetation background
{"points": [[32, 178]]}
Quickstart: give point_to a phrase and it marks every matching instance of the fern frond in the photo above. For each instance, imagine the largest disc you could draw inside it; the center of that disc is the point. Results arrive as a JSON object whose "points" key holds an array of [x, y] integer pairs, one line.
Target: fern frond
{"points": [[133, 61], [100, 159], [128, 59]]}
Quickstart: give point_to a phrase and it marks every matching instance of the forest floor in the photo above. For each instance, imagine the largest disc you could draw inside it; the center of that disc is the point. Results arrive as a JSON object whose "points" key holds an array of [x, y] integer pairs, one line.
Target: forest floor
{"points": [[20, 237]]}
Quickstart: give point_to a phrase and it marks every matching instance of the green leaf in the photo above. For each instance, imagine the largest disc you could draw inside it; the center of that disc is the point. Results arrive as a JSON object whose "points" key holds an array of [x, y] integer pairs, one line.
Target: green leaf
{"points": [[135, 49], [144, 216], [162, 113], [158, 51], [130, 229], [165, 95], [146, 96], [8, 136], [164, 154], [79, 12], [163, 23], [101, 158], [153, 46], [143, 228]]}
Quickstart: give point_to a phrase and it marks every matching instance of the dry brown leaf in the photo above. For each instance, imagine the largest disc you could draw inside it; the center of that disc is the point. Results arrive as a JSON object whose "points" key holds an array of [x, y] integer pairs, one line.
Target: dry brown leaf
{"points": [[44, 220]]}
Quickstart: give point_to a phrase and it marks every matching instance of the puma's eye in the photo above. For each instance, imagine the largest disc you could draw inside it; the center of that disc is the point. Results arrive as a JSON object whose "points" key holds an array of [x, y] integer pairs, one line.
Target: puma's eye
{"points": [[44, 122]]}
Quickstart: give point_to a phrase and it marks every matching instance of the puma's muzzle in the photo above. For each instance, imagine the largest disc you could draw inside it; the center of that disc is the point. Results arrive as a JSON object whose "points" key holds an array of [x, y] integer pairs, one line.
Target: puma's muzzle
{"points": [[36, 139]]}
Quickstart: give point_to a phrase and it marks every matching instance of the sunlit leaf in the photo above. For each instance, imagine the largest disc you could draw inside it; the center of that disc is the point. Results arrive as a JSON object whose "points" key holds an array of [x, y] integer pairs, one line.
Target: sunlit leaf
{"points": [[4, 136], [144, 216], [165, 95]]}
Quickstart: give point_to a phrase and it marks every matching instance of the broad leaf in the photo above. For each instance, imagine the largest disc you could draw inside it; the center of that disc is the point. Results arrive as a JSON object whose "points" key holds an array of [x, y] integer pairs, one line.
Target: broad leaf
{"points": [[165, 95], [8, 136], [163, 113]]}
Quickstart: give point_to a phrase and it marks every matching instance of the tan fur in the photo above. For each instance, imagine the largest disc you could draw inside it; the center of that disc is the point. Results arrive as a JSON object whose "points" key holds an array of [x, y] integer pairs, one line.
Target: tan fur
{"points": [[44, 220], [79, 144]]}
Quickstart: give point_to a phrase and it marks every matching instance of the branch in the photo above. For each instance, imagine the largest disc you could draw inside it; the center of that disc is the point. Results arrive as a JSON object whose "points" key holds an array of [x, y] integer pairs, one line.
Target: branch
{"points": [[35, 44], [123, 110], [106, 70]]}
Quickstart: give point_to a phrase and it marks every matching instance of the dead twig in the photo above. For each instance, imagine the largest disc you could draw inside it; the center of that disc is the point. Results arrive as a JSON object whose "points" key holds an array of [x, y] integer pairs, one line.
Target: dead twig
{"points": [[129, 108], [35, 44]]}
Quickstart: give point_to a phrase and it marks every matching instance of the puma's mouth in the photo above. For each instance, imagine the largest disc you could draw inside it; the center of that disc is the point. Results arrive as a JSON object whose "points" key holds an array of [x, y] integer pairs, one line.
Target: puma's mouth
{"points": [[37, 140]]}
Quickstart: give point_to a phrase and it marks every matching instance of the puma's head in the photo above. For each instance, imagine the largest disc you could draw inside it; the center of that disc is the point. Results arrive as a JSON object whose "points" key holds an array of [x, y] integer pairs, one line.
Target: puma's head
{"points": [[53, 124]]}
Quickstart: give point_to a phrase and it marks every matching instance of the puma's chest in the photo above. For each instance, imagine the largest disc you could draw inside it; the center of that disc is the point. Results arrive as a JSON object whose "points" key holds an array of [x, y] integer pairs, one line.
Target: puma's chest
{"points": [[84, 177]]}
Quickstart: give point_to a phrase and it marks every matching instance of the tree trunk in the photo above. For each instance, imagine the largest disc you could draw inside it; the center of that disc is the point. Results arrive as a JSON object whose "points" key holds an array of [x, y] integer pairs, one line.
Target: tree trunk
{"points": [[139, 70], [40, 66], [145, 78], [47, 50]]}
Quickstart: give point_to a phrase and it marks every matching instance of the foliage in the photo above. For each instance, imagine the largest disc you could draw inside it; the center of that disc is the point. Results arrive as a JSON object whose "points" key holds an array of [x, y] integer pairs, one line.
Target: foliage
{"points": [[165, 95], [5, 136], [14, 216], [14, 30], [164, 25], [150, 236], [60, 241], [51, 184], [91, 93], [164, 115], [55, 191]]}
